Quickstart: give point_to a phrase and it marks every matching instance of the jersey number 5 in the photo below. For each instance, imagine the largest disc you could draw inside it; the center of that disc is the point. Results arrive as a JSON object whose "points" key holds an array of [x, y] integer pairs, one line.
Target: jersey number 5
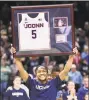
{"points": [[34, 34]]}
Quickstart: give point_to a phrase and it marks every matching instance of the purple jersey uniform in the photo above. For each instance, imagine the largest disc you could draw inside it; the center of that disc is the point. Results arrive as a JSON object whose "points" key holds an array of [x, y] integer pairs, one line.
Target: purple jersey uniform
{"points": [[46, 91], [16, 94]]}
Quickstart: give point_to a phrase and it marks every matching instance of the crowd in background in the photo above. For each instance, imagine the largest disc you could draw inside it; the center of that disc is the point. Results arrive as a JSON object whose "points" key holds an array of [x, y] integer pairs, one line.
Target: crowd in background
{"points": [[80, 69]]}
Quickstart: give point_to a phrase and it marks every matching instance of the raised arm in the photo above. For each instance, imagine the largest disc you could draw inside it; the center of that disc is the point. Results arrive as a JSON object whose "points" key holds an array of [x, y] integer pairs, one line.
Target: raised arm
{"points": [[68, 65], [24, 75]]}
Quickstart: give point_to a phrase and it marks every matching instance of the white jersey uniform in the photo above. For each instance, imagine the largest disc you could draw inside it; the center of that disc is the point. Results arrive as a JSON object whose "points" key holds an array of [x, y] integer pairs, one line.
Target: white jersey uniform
{"points": [[34, 33]]}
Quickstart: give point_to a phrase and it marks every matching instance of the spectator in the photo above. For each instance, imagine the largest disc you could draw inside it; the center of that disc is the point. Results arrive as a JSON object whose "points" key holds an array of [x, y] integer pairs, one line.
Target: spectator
{"points": [[75, 76], [84, 54], [61, 67], [9, 30], [55, 71], [86, 26], [22, 86], [86, 96], [84, 89], [16, 92], [81, 37], [71, 92], [77, 60], [5, 73]]}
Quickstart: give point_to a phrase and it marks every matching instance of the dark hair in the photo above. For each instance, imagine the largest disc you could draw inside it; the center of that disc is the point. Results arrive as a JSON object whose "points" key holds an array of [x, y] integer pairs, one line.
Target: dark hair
{"points": [[42, 67], [16, 77]]}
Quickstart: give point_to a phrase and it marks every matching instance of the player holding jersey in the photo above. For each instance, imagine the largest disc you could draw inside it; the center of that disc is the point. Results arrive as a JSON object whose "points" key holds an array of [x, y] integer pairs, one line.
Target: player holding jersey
{"points": [[41, 88]]}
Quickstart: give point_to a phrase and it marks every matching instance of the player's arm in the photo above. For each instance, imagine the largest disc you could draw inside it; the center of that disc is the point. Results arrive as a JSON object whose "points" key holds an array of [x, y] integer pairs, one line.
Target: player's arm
{"points": [[68, 65], [24, 75]]}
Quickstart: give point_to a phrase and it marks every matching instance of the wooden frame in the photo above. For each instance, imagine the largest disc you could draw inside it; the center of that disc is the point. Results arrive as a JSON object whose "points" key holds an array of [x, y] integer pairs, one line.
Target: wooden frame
{"points": [[61, 40]]}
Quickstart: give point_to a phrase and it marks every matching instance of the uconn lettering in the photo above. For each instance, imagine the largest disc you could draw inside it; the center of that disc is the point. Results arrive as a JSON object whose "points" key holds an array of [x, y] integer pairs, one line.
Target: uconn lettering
{"points": [[38, 87], [27, 25]]}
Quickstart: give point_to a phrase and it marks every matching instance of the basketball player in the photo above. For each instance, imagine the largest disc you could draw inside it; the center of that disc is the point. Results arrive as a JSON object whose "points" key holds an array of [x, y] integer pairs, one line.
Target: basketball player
{"points": [[41, 88]]}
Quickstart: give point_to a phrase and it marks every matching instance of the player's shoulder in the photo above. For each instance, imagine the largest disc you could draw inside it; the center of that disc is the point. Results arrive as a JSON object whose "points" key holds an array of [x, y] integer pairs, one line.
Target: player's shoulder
{"points": [[22, 86], [57, 78], [9, 88], [22, 90]]}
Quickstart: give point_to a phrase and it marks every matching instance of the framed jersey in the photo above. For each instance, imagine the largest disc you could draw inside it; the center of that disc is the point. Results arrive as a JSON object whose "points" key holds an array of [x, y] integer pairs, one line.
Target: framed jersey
{"points": [[43, 30]]}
